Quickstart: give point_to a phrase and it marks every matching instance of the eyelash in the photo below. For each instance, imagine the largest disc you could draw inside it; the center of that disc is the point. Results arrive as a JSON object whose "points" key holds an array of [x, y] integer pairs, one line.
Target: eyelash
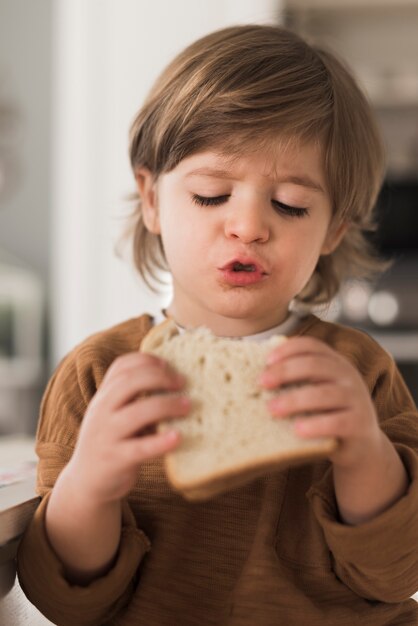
{"points": [[291, 211]]}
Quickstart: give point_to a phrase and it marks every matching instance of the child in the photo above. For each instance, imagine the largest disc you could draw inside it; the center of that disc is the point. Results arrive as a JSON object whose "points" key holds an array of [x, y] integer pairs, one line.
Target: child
{"points": [[253, 148]]}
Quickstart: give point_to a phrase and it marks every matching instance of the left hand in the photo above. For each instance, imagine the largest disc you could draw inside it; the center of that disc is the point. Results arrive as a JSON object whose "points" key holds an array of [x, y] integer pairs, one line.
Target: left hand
{"points": [[331, 391]]}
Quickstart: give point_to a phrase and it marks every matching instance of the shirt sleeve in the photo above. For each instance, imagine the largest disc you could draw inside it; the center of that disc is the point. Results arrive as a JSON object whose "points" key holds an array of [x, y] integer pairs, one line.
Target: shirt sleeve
{"points": [[379, 559], [43, 580], [41, 574]]}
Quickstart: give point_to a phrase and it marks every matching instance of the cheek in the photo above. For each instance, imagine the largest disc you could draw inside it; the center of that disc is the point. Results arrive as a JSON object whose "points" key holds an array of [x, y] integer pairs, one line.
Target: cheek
{"points": [[306, 240], [302, 252], [180, 243]]}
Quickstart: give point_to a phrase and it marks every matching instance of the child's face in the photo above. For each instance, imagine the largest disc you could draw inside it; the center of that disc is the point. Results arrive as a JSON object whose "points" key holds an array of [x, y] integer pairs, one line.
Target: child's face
{"points": [[251, 216]]}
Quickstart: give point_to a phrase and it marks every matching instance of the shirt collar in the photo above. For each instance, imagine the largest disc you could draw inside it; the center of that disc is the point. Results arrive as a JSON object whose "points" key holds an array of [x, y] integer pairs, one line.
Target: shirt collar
{"points": [[285, 328]]}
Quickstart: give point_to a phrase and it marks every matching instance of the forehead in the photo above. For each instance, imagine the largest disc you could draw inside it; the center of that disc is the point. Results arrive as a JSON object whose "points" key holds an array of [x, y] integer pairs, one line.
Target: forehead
{"points": [[294, 161]]}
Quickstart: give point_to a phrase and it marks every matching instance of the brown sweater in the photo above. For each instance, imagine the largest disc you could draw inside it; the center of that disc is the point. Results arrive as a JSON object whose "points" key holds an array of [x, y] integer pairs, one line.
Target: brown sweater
{"points": [[272, 552]]}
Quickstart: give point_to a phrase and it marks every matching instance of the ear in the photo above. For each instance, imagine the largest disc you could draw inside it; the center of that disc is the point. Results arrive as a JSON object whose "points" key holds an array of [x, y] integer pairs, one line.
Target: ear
{"points": [[334, 236], [146, 185]]}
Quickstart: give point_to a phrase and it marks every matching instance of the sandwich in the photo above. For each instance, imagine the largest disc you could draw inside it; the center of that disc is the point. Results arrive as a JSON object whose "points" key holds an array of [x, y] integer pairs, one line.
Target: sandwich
{"points": [[229, 437]]}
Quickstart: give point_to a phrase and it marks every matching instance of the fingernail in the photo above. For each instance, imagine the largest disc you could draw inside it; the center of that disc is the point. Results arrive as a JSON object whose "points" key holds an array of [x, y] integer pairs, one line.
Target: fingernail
{"points": [[172, 435], [185, 401], [276, 405], [301, 426], [272, 358], [265, 379]]}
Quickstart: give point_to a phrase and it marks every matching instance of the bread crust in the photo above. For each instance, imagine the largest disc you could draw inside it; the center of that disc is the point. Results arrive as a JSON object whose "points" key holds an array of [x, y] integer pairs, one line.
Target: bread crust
{"points": [[219, 482], [158, 334]]}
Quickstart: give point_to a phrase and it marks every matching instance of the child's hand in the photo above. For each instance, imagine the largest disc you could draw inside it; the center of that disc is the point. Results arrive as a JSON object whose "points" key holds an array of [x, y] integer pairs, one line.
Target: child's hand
{"points": [[332, 392], [116, 433]]}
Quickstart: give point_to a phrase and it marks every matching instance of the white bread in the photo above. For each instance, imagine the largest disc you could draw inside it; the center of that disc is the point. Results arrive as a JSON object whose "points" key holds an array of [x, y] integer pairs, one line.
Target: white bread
{"points": [[229, 437]]}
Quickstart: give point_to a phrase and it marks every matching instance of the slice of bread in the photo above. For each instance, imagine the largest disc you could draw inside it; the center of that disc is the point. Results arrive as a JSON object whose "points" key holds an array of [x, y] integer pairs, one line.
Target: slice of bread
{"points": [[229, 437]]}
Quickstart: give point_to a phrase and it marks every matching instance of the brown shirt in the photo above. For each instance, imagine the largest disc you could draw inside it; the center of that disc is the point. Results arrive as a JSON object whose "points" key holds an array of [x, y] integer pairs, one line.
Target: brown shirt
{"points": [[272, 552]]}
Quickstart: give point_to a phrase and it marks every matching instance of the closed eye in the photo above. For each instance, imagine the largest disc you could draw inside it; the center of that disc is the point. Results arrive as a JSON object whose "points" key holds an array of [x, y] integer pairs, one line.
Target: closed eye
{"points": [[212, 201], [286, 209], [292, 211]]}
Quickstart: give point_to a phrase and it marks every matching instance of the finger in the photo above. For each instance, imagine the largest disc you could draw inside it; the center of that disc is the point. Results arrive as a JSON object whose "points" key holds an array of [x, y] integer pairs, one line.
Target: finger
{"points": [[319, 368], [131, 383], [132, 360], [308, 399], [298, 345], [142, 448], [337, 425], [133, 419]]}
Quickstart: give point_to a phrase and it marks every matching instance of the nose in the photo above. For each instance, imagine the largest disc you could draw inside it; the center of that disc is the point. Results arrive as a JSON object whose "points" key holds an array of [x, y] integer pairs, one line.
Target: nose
{"points": [[247, 222]]}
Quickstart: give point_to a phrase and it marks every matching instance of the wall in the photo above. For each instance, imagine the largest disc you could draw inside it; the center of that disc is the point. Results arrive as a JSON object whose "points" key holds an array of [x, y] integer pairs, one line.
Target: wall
{"points": [[380, 43], [106, 56], [25, 207], [25, 81]]}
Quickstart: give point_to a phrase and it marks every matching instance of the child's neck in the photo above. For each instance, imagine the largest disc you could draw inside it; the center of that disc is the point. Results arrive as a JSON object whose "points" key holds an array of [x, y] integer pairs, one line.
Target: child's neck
{"points": [[226, 326]]}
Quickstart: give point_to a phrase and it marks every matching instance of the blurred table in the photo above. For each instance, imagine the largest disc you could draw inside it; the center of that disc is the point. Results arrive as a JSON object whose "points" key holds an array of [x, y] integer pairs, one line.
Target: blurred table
{"points": [[18, 502]]}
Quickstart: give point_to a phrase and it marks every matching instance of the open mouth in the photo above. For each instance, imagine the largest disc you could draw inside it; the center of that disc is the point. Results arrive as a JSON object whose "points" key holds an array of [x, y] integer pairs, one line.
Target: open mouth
{"points": [[240, 267], [242, 273]]}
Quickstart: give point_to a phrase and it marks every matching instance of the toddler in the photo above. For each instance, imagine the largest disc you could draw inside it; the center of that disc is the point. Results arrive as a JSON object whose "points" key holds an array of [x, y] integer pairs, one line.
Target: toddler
{"points": [[257, 162]]}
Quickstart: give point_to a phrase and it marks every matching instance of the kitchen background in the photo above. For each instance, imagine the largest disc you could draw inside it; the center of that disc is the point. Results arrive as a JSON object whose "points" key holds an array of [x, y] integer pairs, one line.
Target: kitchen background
{"points": [[72, 75]]}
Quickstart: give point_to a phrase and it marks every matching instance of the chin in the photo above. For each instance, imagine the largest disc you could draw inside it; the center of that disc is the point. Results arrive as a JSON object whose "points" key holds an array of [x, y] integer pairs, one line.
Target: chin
{"points": [[242, 310]]}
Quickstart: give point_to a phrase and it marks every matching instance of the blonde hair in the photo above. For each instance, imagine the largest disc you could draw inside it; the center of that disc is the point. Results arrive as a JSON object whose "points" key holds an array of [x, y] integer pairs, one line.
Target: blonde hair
{"points": [[249, 86]]}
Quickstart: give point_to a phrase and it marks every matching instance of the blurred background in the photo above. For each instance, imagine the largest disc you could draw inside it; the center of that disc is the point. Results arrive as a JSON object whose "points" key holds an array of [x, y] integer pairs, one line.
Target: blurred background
{"points": [[72, 75]]}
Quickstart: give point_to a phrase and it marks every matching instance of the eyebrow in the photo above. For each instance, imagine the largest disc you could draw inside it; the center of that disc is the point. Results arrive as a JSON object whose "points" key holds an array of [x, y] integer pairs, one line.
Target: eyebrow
{"points": [[304, 181]]}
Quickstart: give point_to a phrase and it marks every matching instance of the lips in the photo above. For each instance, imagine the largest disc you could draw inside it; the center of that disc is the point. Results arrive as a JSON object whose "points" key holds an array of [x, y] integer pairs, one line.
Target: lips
{"points": [[243, 272], [245, 264]]}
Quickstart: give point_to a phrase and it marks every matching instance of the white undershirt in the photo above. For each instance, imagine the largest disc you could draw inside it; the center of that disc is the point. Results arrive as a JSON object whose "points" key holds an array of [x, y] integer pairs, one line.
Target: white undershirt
{"points": [[285, 328]]}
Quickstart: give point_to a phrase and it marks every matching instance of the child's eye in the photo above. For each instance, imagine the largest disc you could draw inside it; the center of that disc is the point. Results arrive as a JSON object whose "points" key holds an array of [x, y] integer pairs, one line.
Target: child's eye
{"points": [[212, 201], [292, 211], [286, 209]]}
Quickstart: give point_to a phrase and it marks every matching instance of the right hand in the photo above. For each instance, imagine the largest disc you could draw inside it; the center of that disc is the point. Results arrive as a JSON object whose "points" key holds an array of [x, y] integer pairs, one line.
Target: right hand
{"points": [[116, 433]]}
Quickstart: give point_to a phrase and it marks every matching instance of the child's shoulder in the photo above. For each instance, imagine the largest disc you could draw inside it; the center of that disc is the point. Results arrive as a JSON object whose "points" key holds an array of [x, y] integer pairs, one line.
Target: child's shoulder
{"points": [[354, 343], [79, 374], [123, 337], [97, 351]]}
